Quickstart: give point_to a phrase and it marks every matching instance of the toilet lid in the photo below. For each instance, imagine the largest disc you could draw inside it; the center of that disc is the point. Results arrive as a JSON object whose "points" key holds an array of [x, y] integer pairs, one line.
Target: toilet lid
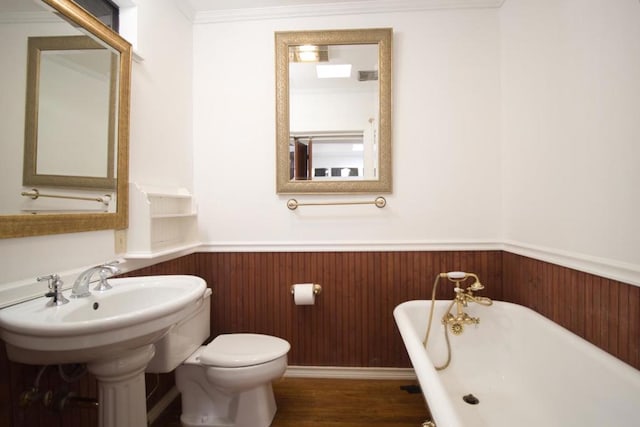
{"points": [[235, 350]]}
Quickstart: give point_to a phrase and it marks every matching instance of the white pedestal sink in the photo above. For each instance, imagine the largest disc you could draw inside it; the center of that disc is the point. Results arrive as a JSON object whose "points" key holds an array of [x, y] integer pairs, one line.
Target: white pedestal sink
{"points": [[111, 331]]}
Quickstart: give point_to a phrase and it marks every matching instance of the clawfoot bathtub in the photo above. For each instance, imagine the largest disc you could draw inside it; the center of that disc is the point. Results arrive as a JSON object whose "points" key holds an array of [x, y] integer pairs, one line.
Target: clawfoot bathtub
{"points": [[516, 368]]}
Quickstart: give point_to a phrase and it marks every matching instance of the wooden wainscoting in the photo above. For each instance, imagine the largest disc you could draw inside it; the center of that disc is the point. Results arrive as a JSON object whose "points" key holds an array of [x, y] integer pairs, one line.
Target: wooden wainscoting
{"points": [[605, 312], [351, 323]]}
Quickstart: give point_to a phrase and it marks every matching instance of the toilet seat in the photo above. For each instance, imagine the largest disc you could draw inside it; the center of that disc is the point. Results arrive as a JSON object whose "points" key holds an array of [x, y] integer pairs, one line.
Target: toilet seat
{"points": [[237, 350]]}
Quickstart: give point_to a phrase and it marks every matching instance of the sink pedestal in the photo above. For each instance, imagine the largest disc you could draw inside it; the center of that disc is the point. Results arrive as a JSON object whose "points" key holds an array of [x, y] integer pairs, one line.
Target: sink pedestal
{"points": [[121, 388]]}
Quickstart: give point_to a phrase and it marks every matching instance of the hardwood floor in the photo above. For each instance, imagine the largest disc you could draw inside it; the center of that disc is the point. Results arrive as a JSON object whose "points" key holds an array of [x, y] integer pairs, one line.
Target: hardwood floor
{"points": [[310, 402]]}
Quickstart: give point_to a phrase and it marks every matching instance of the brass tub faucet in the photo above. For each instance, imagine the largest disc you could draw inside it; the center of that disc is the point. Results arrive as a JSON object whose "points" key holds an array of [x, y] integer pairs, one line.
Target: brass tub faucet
{"points": [[462, 299]]}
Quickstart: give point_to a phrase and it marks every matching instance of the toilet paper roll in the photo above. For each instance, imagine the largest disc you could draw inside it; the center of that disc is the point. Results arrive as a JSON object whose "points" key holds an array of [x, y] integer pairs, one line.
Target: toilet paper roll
{"points": [[303, 294]]}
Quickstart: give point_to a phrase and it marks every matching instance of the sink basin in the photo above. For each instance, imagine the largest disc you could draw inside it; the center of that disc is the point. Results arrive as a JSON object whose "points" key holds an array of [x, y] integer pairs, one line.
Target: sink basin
{"points": [[112, 331], [135, 312]]}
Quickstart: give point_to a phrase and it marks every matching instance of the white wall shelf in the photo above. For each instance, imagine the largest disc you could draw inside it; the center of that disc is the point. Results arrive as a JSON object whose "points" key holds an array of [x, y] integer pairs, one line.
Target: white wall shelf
{"points": [[161, 221]]}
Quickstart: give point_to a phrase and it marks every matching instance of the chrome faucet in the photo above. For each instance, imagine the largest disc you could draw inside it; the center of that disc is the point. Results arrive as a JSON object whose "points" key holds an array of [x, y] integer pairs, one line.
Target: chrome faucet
{"points": [[81, 285], [55, 290], [462, 299]]}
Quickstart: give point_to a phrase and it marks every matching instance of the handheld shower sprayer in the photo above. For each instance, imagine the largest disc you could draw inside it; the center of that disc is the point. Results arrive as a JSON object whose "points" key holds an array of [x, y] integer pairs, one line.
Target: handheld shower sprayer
{"points": [[460, 276], [454, 275], [462, 298]]}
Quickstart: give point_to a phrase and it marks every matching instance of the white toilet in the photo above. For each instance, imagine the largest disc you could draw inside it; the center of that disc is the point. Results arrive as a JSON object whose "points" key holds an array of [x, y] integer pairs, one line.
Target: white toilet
{"points": [[227, 382]]}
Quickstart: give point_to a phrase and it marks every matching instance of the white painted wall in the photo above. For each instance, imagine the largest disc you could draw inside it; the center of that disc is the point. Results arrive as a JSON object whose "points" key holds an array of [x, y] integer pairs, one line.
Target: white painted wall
{"points": [[446, 145], [161, 98], [160, 148], [571, 127]]}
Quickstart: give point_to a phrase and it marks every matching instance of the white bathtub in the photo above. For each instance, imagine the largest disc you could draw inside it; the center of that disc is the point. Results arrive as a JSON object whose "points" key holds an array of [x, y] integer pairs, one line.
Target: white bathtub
{"points": [[524, 369]]}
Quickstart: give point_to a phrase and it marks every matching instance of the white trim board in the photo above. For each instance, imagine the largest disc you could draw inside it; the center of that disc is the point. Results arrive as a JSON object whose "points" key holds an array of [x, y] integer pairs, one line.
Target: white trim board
{"points": [[603, 267], [351, 246], [356, 373]]}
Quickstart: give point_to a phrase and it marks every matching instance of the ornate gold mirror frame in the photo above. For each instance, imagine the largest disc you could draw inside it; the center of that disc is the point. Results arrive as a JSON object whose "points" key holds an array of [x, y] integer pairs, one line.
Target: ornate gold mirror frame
{"points": [[43, 224], [30, 173], [382, 37]]}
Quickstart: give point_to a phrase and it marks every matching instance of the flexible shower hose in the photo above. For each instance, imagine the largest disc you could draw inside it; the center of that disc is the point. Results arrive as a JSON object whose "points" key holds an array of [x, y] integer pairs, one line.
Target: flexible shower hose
{"points": [[446, 332]]}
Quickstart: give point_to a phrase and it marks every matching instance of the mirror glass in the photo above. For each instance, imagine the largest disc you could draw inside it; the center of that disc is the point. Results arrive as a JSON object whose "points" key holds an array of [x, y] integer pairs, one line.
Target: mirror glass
{"points": [[333, 111], [64, 120], [71, 102]]}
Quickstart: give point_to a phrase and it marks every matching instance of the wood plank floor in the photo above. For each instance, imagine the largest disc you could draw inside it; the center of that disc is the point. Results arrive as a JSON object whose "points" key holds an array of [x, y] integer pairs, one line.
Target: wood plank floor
{"points": [[310, 402]]}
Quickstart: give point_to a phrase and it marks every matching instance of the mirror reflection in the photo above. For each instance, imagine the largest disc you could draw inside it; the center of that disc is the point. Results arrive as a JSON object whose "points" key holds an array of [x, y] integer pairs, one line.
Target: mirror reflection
{"points": [[333, 104], [70, 113], [333, 111], [45, 122]]}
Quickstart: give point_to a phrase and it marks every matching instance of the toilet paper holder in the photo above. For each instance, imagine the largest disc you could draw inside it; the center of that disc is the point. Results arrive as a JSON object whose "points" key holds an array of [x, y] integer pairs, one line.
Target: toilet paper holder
{"points": [[317, 289]]}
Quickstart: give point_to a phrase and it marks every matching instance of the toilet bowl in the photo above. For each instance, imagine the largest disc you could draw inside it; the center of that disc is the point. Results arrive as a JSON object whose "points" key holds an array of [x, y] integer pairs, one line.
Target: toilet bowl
{"points": [[227, 382], [223, 384]]}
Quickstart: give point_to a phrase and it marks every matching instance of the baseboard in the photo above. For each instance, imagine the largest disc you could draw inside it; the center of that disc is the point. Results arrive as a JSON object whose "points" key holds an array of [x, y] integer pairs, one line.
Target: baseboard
{"points": [[162, 404], [338, 372]]}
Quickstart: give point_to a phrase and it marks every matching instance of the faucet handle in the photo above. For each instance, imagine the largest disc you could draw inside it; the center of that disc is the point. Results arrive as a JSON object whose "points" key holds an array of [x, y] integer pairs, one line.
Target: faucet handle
{"points": [[50, 278], [55, 289], [105, 271]]}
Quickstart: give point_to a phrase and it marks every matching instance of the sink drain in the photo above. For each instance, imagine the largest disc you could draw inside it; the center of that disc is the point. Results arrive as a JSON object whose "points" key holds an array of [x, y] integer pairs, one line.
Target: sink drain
{"points": [[470, 399]]}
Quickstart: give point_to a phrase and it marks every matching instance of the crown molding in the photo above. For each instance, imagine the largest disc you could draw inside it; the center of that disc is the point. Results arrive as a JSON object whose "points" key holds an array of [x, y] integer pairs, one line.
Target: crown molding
{"points": [[329, 9]]}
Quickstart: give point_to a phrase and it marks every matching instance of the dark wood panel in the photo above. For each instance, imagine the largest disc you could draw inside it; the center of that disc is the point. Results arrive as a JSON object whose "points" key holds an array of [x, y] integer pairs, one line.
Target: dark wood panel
{"points": [[603, 311], [351, 323]]}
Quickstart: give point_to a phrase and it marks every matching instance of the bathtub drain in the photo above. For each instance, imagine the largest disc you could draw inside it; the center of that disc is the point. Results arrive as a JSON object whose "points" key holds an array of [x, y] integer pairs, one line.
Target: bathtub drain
{"points": [[470, 399]]}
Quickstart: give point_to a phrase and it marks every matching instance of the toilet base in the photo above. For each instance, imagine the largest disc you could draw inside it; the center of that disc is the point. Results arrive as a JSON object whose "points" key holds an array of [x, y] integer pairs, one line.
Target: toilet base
{"points": [[205, 403], [252, 408]]}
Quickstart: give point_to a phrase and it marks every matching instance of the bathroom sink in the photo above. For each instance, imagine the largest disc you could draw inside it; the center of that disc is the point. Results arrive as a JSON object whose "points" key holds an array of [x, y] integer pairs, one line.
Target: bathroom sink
{"points": [[137, 311]]}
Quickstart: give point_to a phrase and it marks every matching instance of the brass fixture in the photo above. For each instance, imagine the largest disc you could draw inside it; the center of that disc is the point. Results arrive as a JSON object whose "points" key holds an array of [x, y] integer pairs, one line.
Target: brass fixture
{"points": [[380, 202], [463, 297], [317, 289], [35, 194]]}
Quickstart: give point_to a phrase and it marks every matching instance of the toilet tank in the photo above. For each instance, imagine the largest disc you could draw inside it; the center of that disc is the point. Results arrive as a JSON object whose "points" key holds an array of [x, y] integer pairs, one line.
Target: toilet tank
{"points": [[183, 338]]}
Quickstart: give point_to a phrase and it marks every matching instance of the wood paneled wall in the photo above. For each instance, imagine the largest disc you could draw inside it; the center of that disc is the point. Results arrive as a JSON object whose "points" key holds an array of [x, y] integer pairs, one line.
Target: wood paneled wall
{"points": [[604, 312], [351, 324]]}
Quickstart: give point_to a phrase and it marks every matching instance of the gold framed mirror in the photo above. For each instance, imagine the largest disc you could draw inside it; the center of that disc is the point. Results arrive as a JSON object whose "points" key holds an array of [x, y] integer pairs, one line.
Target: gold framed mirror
{"points": [[333, 111], [29, 223], [71, 103]]}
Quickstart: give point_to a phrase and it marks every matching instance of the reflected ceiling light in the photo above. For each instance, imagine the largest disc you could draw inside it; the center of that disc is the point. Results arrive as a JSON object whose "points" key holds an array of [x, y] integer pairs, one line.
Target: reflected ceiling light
{"points": [[333, 71], [308, 53]]}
